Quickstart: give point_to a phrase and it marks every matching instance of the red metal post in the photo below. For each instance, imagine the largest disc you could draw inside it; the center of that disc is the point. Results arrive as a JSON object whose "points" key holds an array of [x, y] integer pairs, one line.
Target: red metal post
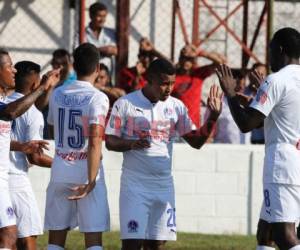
{"points": [[231, 32], [181, 23], [173, 30], [195, 34], [214, 29], [81, 21], [245, 32], [123, 23]]}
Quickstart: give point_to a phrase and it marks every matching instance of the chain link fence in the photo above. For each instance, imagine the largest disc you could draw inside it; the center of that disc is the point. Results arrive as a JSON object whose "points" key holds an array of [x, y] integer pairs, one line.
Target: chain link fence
{"points": [[32, 29]]}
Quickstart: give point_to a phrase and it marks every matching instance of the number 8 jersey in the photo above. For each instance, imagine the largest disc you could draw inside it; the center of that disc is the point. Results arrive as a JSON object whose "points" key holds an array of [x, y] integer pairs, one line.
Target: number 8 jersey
{"points": [[72, 108]]}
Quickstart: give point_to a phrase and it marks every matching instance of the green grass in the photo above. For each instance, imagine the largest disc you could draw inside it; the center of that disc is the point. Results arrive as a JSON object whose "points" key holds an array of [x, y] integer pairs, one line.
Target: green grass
{"points": [[185, 241]]}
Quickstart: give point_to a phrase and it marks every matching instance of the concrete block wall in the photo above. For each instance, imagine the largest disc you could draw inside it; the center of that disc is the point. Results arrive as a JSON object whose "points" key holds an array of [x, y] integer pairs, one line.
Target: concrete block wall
{"points": [[218, 188]]}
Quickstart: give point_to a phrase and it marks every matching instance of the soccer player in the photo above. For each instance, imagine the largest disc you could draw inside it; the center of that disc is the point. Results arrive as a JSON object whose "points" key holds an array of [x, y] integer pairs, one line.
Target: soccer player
{"points": [[277, 104], [27, 127], [143, 125], [76, 194], [8, 112]]}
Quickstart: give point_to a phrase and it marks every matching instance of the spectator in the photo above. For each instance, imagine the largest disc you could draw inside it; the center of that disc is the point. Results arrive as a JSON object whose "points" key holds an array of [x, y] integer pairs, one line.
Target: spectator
{"points": [[134, 78], [102, 37], [189, 78], [61, 58], [103, 83]]}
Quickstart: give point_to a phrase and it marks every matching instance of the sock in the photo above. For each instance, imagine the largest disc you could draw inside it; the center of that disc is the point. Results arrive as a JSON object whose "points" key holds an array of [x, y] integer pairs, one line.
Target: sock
{"points": [[295, 248], [5, 249], [265, 248], [54, 247], [95, 248]]}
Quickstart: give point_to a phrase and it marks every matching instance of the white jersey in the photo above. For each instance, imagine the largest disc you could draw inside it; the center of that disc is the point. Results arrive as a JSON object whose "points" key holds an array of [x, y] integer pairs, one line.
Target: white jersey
{"points": [[26, 127], [134, 116], [5, 129], [72, 108], [278, 98]]}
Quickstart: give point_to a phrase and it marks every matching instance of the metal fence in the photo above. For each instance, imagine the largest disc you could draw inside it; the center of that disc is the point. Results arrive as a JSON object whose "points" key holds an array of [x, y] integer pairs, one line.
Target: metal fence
{"points": [[32, 29]]}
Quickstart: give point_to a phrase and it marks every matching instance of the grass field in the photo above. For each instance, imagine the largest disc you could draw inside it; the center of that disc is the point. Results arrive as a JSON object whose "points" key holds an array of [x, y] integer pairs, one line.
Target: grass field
{"points": [[184, 242]]}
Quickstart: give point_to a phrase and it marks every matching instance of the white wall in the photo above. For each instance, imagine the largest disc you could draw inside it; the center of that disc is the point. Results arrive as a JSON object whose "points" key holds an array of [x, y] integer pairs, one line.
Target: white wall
{"points": [[218, 189]]}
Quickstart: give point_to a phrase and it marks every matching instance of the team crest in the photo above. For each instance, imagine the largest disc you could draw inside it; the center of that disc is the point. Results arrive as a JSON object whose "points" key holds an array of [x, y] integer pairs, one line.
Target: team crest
{"points": [[261, 96], [132, 226], [10, 212]]}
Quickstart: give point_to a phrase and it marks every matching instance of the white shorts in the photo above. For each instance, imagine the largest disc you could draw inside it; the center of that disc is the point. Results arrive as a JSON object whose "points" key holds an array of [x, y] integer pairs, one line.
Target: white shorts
{"points": [[281, 203], [90, 213], [27, 212], [7, 215], [147, 214]]}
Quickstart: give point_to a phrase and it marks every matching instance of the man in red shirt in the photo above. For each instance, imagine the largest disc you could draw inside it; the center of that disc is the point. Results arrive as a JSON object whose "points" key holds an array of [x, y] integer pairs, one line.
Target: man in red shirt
{"points": [[134, 78], [190, 77]]}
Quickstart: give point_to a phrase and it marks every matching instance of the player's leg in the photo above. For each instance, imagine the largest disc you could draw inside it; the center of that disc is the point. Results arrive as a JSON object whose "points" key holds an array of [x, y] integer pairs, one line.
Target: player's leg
{"points": [[8, 237], [57, 239], [264, 236], [93, 216], [93, 241], [132, 244], [282, 209], [8, 229], [154, 244], [285, 236], [27, 243], [162, 221], [134, 215], [60, 214], [29, 224]]}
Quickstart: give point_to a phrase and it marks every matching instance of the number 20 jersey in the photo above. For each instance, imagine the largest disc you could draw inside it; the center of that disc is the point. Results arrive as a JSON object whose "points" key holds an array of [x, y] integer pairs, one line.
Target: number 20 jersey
{"points": [[72, 108]]}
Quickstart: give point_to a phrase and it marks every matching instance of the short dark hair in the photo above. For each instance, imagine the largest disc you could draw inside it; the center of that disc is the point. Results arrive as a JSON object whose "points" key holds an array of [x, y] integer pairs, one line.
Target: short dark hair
{"points": [[24, 69], [3, 52], [160, 66], [86, 59], [289, 40], [94, 8], [61, 53], [256, 65], [102, 66]]}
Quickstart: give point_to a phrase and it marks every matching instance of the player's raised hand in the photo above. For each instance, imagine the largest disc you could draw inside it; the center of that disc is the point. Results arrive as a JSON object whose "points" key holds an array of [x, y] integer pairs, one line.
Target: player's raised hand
{"points": [[255, 80], [35, 146], [227, 82], [51, 78], [82, 191], [214, 102]]}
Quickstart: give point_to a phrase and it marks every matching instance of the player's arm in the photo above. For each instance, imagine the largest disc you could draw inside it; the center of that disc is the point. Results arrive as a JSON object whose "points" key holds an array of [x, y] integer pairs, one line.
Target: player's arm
{"points": [[30, 147], [108, 50], [41, 160], [14, 109], [246, 118], [118, 144], [93, 161], [197, 138]]}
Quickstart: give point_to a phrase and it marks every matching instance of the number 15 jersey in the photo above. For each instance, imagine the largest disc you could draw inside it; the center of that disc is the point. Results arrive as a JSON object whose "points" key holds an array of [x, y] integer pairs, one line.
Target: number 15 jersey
{"points": [[72, 108]]}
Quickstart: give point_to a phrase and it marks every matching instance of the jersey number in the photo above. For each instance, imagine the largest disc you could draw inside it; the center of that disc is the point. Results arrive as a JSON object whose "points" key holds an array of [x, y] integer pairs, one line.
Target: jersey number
{"points": [[76, 141], [172, 217]]}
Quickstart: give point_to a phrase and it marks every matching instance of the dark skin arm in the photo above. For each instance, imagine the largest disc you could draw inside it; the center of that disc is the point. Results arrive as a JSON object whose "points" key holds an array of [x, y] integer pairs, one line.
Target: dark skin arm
{"points": [[20, 106], [30, 147], [41, 160], [108, 51], [246, 118], [119, 144], [197, 138]]}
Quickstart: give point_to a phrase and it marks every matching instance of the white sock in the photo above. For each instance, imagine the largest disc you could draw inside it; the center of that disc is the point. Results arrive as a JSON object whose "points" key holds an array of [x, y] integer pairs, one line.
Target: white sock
{"points": [[264, 248], [295, 248], [5, 249], [95, 248], [54, 247]]}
